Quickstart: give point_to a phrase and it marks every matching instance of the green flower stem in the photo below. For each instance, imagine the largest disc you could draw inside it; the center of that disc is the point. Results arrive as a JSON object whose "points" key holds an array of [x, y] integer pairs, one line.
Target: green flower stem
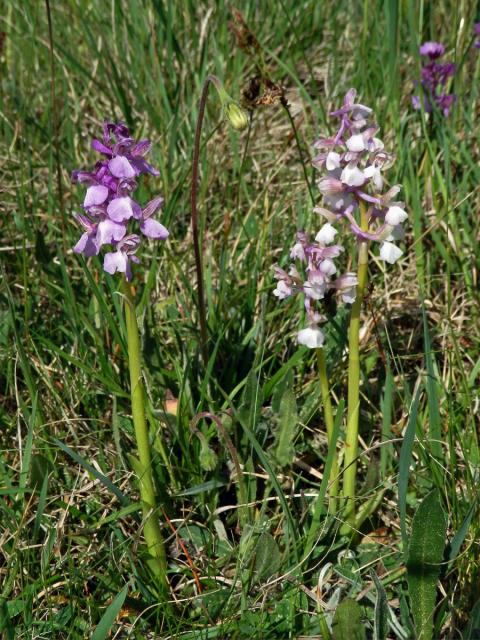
{"points": [[143, 466], [353, 413], [238, 120], [328, 417]]}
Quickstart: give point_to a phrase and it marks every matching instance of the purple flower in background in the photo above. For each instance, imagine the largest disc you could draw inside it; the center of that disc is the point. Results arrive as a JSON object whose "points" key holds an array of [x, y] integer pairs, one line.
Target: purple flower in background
{"points": [[109, 209], [476, 31], [433, 50], [435, 76], [351, 163]]}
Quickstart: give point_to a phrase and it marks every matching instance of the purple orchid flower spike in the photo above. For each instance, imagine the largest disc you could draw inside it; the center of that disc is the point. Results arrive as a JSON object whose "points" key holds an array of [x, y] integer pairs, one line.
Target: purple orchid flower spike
{"points": [[434, 78], [109, 206]]}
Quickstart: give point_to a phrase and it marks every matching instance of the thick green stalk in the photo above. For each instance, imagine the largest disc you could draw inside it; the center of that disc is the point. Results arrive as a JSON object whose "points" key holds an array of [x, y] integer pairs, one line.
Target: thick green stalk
{"points": [[143, 466], [328, 417], [353, 413]]}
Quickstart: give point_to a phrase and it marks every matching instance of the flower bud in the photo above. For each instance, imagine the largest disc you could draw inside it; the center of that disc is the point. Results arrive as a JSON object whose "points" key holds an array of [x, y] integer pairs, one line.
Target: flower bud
{"points": [[207, 457], [237, 116], [234, 113]]}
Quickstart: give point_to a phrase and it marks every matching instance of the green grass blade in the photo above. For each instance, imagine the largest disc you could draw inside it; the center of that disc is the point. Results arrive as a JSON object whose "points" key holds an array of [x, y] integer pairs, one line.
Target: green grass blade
{"points": [[104, 627], [404, 465]]}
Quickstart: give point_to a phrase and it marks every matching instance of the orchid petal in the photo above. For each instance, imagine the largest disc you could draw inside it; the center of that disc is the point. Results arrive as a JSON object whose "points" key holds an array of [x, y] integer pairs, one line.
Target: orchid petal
{"points": [[120, 167], [153, 229], [95, 196], [120, 209]]}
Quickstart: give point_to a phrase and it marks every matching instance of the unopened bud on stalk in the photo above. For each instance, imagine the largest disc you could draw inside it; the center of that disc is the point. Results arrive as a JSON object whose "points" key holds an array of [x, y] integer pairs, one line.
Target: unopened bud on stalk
{"points": [[207, 457], [234, 113]]}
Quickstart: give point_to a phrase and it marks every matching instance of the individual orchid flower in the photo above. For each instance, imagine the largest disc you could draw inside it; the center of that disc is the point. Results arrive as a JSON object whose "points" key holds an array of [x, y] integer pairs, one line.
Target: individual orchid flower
{"points": [[120, 259], [109, 206]]}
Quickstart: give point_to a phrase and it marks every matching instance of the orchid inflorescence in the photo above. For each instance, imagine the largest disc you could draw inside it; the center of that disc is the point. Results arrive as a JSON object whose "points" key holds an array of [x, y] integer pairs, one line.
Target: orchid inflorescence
{"points": [[435, 76], [476, 32], [319, 268], [351, 163], [108, 204]]}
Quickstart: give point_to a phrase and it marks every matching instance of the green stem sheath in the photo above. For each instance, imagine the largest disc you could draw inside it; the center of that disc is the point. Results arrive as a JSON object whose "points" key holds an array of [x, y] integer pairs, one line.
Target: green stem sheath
{"points": [[328, 417], [353, 413], [143, 466]]}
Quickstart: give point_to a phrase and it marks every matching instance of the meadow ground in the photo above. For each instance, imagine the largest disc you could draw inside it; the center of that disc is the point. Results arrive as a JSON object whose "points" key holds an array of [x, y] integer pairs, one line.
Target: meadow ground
{"points": [[257, 554]]}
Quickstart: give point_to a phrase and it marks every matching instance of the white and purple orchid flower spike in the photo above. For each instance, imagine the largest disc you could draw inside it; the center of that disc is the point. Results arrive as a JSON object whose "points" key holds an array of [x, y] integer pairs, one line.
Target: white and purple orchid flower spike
{"points": [[313, 274], [351, 163], [111, 215]]}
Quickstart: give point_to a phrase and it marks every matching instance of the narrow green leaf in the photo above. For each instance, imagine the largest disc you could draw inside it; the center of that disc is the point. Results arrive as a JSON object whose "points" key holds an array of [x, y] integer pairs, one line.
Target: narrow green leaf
{"points": [[380, 620], [107, 621], [319, 507], [27, 452], [425, 553], [42, 500], [386, 407], [404, 466], [459, 537], [91, 469], [249, 409], [432, 393]]}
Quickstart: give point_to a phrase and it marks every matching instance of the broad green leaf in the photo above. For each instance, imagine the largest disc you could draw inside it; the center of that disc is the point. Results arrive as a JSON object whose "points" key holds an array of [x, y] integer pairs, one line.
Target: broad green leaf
{"points": [[347, 622], [267, 556], [473, 629], [425, 553], [287, 423]]}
